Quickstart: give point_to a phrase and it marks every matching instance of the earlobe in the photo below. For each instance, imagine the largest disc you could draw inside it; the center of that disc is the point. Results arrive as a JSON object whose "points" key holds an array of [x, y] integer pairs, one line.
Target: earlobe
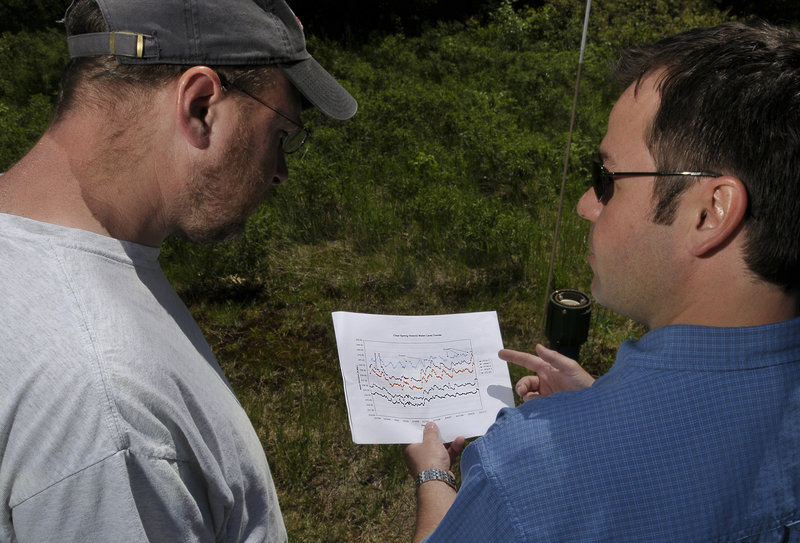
{"points": [[721, 210], [199, 89]]}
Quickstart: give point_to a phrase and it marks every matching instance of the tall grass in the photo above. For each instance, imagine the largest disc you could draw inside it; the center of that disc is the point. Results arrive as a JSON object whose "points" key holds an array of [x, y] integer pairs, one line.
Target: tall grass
{"points": [[439, 196]]}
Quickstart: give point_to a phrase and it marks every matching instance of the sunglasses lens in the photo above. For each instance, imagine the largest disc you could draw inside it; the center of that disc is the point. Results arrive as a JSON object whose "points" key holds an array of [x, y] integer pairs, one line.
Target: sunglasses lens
{"points": [[602, 183]]}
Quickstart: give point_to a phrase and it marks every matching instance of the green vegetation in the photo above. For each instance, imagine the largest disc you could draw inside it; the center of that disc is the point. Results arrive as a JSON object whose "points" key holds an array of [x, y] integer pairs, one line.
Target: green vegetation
{"points": [[440, 196]]}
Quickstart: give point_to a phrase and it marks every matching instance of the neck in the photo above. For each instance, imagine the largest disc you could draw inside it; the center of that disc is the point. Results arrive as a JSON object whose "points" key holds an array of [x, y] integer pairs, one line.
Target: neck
{"points": [[736, 298], [78, 175]]}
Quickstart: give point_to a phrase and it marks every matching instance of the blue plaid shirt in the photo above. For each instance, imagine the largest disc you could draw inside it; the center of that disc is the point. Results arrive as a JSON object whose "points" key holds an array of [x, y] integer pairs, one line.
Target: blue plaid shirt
{"points": [[693, 435]]}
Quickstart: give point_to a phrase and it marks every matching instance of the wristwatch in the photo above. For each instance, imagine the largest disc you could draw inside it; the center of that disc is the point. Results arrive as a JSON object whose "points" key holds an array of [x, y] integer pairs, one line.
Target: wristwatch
{"points": [[436, 474]]}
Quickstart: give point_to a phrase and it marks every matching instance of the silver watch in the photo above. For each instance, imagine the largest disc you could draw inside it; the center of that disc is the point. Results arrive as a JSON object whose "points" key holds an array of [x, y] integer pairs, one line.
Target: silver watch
{"points": [[436, 474]]}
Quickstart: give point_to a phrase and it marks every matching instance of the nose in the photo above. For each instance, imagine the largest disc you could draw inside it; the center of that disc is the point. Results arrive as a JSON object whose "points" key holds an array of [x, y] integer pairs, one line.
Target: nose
{"points": [[589, 207], [281, 170]]}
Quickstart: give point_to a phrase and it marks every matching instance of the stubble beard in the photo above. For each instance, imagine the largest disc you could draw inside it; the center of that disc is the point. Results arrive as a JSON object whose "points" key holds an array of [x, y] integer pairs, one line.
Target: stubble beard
{"points": [[220, 198]]}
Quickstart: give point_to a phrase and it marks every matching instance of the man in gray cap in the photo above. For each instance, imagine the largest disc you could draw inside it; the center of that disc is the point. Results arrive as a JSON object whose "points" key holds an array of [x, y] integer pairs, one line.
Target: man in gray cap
{"points": [[116, 422]]}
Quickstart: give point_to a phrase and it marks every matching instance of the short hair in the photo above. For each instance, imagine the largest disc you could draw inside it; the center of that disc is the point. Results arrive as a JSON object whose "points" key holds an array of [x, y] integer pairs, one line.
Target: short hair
{"points": [[730, 103], [102, 78]]}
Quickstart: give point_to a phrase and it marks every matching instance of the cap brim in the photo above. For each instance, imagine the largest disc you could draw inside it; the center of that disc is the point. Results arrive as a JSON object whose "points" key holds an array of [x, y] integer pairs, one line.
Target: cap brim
{"points": [[320, 88]]}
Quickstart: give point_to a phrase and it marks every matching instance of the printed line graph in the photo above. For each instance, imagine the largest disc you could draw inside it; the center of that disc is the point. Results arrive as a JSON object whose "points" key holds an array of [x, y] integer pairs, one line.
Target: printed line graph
{"points": [[408, 379], [401, 371]]}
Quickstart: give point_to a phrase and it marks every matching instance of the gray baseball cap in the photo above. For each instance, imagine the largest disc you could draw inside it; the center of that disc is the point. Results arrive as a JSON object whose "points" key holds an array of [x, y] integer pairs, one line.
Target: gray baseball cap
{"points": [[215, 32]]}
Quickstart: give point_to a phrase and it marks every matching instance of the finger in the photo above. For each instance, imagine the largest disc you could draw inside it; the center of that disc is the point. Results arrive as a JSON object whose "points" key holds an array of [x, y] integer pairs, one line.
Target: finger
{"points": [[455, 448], [554, 358], [430, 433], [527, 384], [526, 360]]}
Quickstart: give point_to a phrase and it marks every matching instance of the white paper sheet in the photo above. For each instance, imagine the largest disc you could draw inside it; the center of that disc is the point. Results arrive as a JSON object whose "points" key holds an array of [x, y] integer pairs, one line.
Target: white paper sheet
{"points": [[401, 372]]}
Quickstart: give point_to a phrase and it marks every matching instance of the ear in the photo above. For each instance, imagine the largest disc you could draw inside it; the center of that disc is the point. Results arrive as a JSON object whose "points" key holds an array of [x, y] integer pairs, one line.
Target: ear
{"points": [[199, 91], [719, 209]]}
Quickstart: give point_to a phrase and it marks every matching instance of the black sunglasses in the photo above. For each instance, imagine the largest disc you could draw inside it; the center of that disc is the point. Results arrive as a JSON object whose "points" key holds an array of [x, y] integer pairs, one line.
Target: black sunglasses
{"points": [[603, 180]]}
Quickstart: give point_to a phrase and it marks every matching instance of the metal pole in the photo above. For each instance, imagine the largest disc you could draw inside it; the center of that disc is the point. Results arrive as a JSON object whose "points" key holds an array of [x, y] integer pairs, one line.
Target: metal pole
{"points": [[566, 162]]}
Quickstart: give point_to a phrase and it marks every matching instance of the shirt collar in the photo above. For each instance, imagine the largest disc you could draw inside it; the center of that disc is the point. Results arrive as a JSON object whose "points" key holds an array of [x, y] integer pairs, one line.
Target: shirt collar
{"points": [[714, 349]]}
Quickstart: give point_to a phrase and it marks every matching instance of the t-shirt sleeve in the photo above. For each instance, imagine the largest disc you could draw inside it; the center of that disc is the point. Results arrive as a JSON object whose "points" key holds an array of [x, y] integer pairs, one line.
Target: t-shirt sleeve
{"points": [[123, 498]]}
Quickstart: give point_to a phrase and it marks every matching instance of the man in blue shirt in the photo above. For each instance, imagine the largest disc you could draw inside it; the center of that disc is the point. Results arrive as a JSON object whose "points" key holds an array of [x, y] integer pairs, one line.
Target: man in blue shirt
{"points": [[694, 433]]}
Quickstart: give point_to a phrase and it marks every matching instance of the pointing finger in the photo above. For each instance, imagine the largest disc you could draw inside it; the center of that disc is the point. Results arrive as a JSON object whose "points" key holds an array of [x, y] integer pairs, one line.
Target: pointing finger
{"points": [[554, 358], [526, 360]]}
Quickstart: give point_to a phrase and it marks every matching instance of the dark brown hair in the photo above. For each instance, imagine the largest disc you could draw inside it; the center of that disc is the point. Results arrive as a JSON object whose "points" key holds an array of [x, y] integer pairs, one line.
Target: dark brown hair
{"points": [[730, 103]]}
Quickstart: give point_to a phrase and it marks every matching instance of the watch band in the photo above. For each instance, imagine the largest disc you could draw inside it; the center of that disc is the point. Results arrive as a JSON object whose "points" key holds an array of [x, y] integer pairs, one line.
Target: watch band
{"points": [[436, 474]]}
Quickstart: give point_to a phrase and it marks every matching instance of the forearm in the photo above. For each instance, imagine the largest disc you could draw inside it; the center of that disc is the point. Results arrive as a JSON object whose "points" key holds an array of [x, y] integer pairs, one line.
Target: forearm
{"points": [[434, 498], [429, 463]]}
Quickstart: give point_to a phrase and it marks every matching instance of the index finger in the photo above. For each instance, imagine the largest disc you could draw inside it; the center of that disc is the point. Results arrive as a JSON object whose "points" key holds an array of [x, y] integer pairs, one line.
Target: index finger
{"points": [[526, 360]]}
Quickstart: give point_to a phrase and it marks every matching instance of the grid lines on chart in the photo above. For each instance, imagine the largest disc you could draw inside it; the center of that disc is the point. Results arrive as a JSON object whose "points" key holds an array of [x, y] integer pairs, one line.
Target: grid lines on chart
{"points": [[406, 379]]}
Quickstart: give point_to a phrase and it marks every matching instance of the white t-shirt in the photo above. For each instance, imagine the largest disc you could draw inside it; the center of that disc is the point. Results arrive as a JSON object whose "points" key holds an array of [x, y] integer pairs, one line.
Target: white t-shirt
{"points": [[116, 422]]}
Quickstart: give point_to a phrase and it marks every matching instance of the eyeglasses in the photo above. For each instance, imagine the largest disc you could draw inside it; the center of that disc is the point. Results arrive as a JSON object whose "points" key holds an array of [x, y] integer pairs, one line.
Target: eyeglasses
{"points": [[603, 180], [292, 141]]}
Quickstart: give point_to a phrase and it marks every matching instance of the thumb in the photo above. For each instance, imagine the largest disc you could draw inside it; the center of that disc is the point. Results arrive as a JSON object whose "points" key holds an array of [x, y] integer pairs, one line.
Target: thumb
{"points": [[430, 433]]}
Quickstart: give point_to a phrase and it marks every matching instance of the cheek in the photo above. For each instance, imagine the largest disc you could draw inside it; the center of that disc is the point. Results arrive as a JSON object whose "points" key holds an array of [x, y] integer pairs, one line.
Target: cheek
{"points": [[266, 156], [620, 251], [610, 235]]}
